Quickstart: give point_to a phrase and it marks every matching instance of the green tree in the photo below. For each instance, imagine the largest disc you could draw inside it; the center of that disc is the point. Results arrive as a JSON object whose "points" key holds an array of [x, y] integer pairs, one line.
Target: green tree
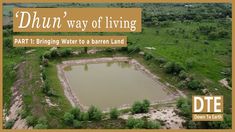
{"points": [[140, 107], [94, 114], [9, 124], [173, 68], [135, 123], [136, 107], [194, 85], [146, 105], [77, 124], [184, 106], [68, 118], [114, 113], [84, 116], [75, 112]]}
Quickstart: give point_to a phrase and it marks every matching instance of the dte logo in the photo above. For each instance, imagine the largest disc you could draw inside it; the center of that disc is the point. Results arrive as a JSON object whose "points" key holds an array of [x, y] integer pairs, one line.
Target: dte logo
{"points": [[207, 104]]}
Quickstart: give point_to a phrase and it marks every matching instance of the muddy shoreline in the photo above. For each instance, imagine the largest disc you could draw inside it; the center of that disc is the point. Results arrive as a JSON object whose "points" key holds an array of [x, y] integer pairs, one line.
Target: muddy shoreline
{"points": [[74, 100]]}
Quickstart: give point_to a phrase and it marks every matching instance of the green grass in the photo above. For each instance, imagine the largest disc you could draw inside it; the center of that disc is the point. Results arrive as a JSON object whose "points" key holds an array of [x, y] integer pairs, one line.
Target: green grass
{"points": [[209, 59]]}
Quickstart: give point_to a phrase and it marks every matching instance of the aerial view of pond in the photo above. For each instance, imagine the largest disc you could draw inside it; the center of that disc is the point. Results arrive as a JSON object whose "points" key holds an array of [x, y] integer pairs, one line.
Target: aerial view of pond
{"points": [[112, 84]]}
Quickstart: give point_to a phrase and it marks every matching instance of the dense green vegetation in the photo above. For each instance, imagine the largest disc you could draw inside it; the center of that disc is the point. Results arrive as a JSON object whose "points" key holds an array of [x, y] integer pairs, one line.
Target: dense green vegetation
{"points": [[140, 107], [75, 118], [190, 48]]}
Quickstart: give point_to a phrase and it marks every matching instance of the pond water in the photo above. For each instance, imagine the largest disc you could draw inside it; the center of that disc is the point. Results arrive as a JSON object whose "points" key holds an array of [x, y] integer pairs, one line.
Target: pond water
{"points": [[112, 84]]}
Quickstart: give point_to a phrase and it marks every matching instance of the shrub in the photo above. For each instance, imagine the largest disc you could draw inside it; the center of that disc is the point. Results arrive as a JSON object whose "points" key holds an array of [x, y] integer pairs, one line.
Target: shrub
{"points": [[178, 67], [31, 120], [226, 124], [173, 68], [77, 124], [109, 50], [153, 125], [94, 114], [41, 126], [146, 105], [47, 55], [191, 124], [7, 42], [182, 84], [133, 49], [136, 107], [6, 33], [76, 113], [114, 113], [45, 87], [45, 62], [134, 123], [140, 107], [160, 60], [189, 63], [42, 120], [51, 93], [68, 118], [223, 33], [194, 85], [65, 52], [183, 75], [84, 116], [212, 35], [54, 53], [206, 42], [44, 75], [123, 49], [184, 107], [185, 110], [9, 124], [85, 50], [147, 56], [181, 101]]}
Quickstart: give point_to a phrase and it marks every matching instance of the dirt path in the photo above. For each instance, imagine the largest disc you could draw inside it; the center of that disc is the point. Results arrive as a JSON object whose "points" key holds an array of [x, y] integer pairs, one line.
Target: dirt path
{"points": [[16, 99]]}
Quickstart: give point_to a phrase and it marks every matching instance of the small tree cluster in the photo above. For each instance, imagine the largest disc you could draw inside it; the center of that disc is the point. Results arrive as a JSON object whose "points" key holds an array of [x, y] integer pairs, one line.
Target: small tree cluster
{"points": [[9, 124], [75, 117], [114, 113], [31, 120], [140, 107], [45, 86], [133, 123], [57, 53], [173, 68], [184, 106], [41, 123], [94, 114], [148, 56]]}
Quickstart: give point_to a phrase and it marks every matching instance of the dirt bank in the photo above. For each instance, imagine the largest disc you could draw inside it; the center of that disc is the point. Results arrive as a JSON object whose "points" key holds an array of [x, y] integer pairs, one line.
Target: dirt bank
{"points": [[16, 99]]}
